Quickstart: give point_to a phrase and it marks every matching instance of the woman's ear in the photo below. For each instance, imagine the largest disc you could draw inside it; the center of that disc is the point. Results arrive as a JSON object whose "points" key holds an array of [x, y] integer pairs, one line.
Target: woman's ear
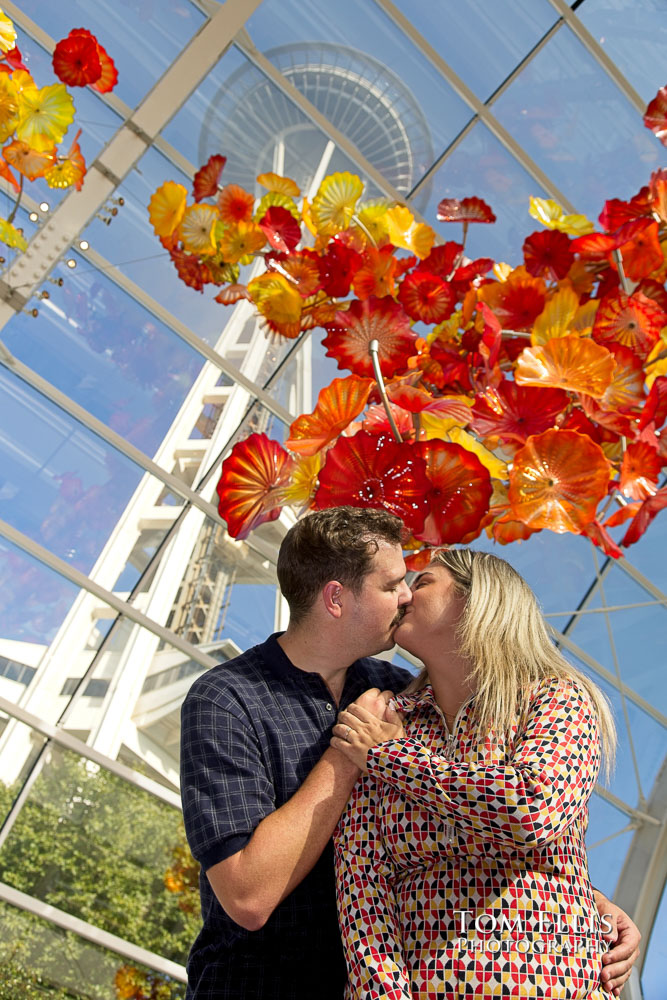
{"points": [[331, 595]]}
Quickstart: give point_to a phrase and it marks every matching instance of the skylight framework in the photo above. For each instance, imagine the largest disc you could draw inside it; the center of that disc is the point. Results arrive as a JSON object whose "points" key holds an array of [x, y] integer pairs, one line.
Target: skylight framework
{"points": [[171, 517]]}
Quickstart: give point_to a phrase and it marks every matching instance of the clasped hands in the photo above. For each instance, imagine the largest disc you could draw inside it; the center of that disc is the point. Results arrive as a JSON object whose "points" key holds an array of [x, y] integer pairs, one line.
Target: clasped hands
{"points": [[366, 722]]}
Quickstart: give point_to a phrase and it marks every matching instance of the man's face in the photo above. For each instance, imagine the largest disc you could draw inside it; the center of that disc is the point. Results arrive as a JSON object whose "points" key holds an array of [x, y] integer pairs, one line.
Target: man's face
{"points": [[376, 611]]}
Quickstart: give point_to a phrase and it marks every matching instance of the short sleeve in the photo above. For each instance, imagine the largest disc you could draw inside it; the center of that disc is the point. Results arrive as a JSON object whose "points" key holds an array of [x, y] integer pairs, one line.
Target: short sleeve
{"points": [[225, 788]]}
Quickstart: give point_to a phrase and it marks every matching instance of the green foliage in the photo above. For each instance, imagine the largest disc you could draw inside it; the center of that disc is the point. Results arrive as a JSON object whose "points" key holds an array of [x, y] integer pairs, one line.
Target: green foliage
{"points": [[99, 848]]}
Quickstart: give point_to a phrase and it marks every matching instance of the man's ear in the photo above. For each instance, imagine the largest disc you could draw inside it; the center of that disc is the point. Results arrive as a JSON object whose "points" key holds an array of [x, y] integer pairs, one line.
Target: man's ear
{"points": [[331, 595]]}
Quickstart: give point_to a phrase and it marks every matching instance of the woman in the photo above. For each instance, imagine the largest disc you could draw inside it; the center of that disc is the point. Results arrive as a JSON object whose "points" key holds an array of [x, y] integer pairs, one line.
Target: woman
{"points": [[461, 861]]}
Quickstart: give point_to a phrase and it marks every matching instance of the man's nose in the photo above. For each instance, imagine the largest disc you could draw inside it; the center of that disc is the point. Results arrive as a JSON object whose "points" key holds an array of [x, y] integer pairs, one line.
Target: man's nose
{"points": [[405, 595]]}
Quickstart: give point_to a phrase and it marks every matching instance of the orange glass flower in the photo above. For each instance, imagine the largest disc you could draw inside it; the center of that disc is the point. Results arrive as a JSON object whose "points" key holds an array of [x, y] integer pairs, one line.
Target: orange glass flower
{"points": [[30, 162], [557, 481], [626, 389], [235, 204], [632, 320], [250, 487], [516, 302], [166, 208], [337, 406], [567, 363], [640, 470]]}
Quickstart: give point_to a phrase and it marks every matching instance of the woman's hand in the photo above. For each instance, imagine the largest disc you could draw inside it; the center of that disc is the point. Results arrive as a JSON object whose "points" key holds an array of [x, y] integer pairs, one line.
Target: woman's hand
{"points": [[623, 940], [359, 728]]}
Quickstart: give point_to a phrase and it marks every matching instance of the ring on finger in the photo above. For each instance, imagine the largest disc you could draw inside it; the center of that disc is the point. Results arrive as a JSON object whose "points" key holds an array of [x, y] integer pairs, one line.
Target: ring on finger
{"points": [[347, 732]]}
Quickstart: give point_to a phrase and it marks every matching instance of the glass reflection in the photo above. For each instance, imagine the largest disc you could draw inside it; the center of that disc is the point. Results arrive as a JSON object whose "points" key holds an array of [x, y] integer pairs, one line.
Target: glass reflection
{"points": [[33, 602], [63, 486], [37, 958], [116, 866], [104, 350]]}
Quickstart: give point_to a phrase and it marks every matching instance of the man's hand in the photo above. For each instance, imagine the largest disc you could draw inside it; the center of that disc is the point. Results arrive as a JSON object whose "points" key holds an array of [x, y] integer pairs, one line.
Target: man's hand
{"points": [[365, 723], [624, 938]]}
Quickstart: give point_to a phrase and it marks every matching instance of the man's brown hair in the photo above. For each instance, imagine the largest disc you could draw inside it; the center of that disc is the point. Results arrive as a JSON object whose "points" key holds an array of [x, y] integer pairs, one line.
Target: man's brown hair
{"points": [[334, 544]]}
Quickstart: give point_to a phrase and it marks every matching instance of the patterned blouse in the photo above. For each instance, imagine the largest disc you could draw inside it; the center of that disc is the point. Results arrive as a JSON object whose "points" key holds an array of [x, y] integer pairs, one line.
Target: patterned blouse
{"points": [[461, 867]]}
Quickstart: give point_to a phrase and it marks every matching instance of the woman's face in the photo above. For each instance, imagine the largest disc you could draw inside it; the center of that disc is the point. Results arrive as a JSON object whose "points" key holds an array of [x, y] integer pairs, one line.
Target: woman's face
{"points": [[430, 620]]}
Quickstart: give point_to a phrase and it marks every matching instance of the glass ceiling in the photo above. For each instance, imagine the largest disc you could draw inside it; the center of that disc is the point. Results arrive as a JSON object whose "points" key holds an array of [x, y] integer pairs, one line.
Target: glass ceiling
{"points": [[119, 400]]}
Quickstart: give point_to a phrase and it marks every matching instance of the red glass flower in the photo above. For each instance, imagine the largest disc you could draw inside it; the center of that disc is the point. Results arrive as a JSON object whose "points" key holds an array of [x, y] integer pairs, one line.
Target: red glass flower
{"points": [[75, 60], [644, 516], [205, 181], [368, 471], [632, 320], [548, 254], [253, 476], [459, 495], [514, 412], [464, 210], [655, 116], [280, 228], [426, 297], [349, 337]]}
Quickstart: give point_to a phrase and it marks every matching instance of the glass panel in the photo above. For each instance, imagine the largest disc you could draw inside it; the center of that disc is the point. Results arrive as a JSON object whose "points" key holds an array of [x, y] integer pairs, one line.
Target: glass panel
{"points": [[505, 32], [606, 860], [62, 485], [33, 602], [648, 555], [634, 34], [101, 865], [653, 973], [38, 959], [239, 112], [27, 743], [648, 740], [104, 350], [568, 115], [481, 166], [343, 65], [169, 25]]}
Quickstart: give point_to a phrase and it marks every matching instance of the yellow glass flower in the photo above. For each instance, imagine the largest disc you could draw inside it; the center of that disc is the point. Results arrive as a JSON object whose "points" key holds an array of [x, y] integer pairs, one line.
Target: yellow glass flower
{"points": [[240, 241], [23, 81], [404, 232], [166, 208], [497, 469], [303, 480], [370, 217], [551, 215], [11, 236], [557, 317], [333, 205], [283, 185], [7, 33], [9, 106], [276, 198], [44, 115], [276, 298], [197, 228], [61, 175]]}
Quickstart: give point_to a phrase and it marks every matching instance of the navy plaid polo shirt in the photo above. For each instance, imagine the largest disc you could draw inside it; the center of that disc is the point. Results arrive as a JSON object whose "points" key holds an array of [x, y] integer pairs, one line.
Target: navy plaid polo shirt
{"points": [[252, 730]]}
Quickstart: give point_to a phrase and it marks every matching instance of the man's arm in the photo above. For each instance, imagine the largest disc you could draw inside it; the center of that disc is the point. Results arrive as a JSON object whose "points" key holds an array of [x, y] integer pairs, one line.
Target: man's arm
{"points": [[625, 938], [285, 845]]}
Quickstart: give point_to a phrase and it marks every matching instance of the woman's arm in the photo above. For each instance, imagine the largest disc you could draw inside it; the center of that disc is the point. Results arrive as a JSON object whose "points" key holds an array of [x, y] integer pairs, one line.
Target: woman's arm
{"points": [[367, 911], [524, 803]]}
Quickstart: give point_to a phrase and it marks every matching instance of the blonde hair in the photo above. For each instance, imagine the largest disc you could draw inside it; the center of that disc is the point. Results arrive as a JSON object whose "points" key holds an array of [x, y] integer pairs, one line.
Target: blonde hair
{"points": [[503, 634]]}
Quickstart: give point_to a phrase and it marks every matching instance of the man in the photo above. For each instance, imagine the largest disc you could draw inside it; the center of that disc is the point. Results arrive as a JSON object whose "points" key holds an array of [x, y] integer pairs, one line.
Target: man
{"points": [[262, 789]]}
